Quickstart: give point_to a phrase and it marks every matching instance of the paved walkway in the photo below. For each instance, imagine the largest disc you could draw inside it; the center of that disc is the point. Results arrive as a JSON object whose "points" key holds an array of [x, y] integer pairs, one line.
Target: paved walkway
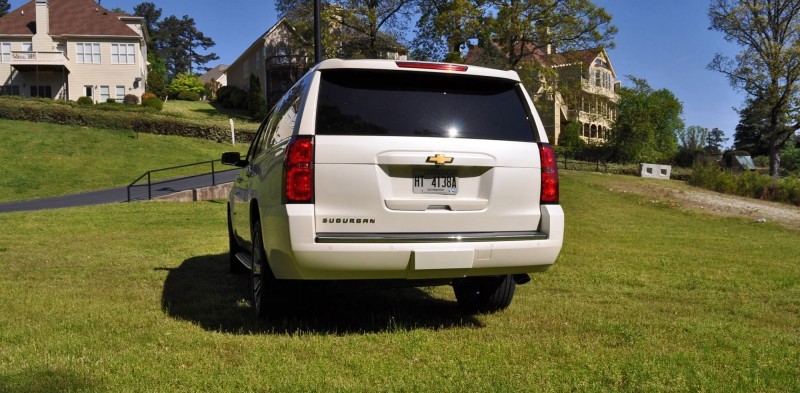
{"points": [[120, 194]]}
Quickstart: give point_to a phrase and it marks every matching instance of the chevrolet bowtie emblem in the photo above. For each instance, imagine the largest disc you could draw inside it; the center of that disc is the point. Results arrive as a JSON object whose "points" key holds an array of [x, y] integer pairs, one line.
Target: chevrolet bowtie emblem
{"points": [[440, 159]]}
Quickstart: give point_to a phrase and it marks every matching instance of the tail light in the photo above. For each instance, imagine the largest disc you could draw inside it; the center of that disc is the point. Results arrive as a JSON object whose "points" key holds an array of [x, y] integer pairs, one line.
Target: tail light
{"points": [[549, 174], [299, 170]]}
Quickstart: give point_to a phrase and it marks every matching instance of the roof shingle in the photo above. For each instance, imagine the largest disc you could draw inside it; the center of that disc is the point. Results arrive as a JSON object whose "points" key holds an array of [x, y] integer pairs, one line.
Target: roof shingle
{"points": [[67, 17]]}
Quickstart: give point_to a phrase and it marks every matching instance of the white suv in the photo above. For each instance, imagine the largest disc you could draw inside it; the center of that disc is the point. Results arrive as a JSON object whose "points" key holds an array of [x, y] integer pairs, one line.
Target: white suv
{"points": [[422, 173]]}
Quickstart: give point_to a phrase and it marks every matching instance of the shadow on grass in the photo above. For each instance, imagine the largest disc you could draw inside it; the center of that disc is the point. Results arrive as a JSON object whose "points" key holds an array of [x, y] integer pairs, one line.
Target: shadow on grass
{"points": [[202, 290]]}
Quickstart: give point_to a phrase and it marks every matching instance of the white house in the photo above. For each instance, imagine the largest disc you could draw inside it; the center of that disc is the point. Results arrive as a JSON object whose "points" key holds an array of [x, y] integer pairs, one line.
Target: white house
{"points": [[67, 49]]}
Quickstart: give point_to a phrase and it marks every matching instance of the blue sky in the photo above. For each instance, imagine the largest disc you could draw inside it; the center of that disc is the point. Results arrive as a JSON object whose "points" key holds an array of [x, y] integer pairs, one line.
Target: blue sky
{"points": [[666, 42]]}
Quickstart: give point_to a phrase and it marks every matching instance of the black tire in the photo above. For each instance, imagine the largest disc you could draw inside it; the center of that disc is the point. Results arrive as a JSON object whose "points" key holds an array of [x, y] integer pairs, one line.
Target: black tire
{"points": [[236, 266], [263, 283], [484, 294]]}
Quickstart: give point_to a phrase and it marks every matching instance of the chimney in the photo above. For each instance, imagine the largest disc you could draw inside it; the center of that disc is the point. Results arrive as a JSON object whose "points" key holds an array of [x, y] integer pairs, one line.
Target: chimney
{"points": [[41, 40]]}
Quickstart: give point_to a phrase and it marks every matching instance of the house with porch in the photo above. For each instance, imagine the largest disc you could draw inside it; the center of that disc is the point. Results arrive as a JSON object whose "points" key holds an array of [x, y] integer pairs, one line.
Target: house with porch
{"points": [[585, 91], [66, 49], [582, 89]]}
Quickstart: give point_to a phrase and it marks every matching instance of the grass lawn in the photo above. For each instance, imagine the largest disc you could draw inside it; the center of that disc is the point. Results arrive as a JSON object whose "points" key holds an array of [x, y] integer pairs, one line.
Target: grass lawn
{"points": [[136, 297], [203, 109], [42, 159]]}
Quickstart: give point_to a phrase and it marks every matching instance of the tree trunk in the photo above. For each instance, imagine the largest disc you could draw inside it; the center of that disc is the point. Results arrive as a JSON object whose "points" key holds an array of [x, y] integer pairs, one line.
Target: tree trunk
{"points": [[774, 156]]}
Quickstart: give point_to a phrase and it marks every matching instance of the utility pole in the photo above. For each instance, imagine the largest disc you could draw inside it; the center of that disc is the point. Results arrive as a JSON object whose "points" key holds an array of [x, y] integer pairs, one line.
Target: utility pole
{"points": [[317, 33]]}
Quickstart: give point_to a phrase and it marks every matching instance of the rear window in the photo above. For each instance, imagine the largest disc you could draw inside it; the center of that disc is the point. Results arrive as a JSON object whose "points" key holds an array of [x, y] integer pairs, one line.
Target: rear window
{"points": [[359, 102]]}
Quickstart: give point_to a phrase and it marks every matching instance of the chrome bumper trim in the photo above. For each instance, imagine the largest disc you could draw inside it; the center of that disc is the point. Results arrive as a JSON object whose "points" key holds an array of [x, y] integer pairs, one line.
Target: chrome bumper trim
{"points": [[428, 237]]}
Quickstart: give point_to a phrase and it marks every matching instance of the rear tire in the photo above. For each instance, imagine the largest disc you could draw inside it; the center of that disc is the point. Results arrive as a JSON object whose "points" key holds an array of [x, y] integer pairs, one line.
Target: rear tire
{"points": [[263, 282], [484, 294], [236, 266]]}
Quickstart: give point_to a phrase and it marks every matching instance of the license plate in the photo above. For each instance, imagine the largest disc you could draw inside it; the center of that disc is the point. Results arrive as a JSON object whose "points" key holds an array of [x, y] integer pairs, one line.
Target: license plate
{"points": [[435, 181]]}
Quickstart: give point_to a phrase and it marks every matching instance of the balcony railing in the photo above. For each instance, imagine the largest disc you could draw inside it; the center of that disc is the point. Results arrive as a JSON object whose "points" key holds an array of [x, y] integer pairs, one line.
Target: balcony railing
{"points": [[24, 57], [588, 86], [589, 117]]}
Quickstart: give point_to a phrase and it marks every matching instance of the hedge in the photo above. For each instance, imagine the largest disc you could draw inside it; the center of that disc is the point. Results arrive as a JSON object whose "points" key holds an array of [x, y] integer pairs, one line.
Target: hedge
{"points": [[747, 184], [121, 117]]}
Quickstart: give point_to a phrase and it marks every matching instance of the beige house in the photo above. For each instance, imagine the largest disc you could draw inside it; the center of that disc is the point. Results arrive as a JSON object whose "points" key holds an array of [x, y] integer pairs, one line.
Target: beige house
{"points": [[215, 78], [280, 57], [585, 92], [277, 58], [67, 49]]}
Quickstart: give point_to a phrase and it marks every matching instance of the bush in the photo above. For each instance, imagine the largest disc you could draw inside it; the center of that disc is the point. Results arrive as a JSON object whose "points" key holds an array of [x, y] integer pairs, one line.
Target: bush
{"points": [[188, 96], [148, 95], [130, 99], [185, 83], [111, 100], [224, 94], [123, 117], [153, 102], [238, 99], [85, 101], [748, 184]]}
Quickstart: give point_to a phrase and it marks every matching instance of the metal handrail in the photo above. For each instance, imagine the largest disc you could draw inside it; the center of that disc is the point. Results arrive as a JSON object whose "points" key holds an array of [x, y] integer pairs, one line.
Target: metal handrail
{"points": [[150, 182]]}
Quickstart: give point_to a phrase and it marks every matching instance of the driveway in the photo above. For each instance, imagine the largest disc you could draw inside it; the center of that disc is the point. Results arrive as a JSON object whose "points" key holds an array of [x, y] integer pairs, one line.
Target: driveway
{"points": [[120, 194]]}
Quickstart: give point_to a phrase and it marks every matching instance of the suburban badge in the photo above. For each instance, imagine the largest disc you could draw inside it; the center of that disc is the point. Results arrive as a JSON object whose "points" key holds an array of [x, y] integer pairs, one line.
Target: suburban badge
{"points": [[440, 159]]}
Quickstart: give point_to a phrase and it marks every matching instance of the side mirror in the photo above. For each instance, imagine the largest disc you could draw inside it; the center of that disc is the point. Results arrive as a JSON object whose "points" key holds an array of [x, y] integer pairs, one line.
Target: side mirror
{"points": [[233, 158]]}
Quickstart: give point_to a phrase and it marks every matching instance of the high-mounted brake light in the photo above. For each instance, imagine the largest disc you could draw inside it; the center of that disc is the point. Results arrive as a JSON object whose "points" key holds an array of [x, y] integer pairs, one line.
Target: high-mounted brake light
{"points": [[299, 170], [549, 193], [432, 66]]}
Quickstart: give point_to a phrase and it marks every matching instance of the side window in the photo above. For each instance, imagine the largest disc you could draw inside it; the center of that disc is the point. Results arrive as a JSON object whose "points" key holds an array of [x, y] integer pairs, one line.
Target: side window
{"points": [[285, 126], [281, 127], [258, 141]]}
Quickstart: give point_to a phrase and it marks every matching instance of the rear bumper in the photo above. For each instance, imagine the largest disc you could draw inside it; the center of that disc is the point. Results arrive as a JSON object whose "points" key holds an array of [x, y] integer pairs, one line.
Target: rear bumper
{"points": [[307, 255]]}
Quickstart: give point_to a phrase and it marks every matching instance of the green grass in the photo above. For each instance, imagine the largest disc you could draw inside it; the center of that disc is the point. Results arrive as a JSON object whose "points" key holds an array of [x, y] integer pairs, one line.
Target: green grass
{"points": [[644, 297], [203, 109], [41, 159]]}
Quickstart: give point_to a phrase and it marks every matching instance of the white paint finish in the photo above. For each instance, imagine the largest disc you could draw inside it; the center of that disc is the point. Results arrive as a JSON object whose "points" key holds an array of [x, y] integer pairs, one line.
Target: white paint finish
{"points": [[443, 259]]}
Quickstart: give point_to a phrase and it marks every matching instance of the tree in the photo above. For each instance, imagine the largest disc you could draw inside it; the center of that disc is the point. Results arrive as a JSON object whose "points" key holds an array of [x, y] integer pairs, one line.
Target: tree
{"points": [[353, 28], [714, 141], [647, 123], [516, 29], [151, 15], [691, 141], [693, 138], [4, 7], [768, 67], [256, 105], [177, 43], [156, 76], [445, 27], [570, 140], [751, 132], [186, 83]]}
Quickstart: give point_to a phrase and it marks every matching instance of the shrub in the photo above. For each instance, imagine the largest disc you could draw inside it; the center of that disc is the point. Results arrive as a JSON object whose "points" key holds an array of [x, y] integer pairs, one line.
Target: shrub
{"points": [[186, 82], [238, 99], [85, 101], [148, 95], [130, 99], [224, 94], [111, 100], [748, 184], [153, 102], [123, 117], [256, 106], [188, 96]]}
